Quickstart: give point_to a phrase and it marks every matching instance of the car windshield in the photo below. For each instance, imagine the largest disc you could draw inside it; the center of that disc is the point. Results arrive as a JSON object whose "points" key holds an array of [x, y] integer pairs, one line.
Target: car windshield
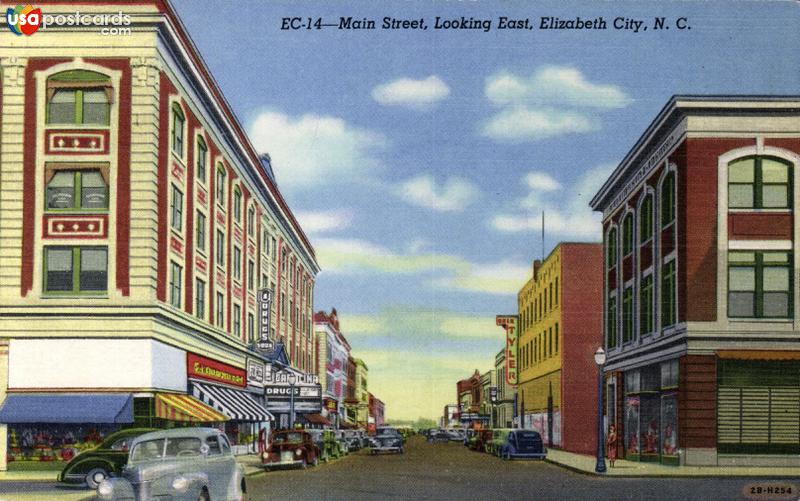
{"points": [[287, 438], [178, 447]]}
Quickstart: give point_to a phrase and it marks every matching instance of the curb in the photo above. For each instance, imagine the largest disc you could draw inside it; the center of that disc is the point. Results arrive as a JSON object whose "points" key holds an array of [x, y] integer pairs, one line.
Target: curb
{"points": [[661, 475]]}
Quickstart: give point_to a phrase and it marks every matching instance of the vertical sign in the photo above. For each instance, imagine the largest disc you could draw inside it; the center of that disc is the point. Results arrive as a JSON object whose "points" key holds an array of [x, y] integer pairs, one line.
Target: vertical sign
{"points": [[509, 323], [264, 319]]}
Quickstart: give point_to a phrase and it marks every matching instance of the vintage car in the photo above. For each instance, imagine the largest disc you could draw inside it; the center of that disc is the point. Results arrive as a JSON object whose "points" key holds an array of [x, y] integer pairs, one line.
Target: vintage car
{"points": [[291, 448], [92, 466], [352, 440], [524, 444], [438, 436], [178, 464], [334, 447], [386, 439], [479, 440], [498, 437]]}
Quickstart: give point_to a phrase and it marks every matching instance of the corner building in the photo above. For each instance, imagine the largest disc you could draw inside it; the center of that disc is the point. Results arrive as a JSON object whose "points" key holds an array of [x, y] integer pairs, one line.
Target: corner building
{"points": [[137, 223], [700, 289]]}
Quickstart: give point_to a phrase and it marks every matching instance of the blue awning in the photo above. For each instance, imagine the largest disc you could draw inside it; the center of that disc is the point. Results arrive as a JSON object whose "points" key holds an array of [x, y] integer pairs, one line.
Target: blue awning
{"points": [[67, 408]]}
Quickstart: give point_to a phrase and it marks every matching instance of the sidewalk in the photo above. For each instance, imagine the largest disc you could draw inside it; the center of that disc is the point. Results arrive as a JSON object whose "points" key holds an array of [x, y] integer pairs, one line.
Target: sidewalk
{"points": [[622, 468]]}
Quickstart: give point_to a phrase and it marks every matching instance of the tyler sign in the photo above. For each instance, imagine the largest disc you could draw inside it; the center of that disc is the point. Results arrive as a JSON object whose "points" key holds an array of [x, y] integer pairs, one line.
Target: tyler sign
{"points": [[509, 323]]}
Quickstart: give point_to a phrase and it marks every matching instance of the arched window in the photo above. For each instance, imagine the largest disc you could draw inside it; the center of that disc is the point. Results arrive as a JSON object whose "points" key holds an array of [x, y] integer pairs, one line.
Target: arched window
{"points": [[627, 235], [202, 154], [178, 120], [611, 248], [78, 97], [646, 219], [220, 184], [251, 221], [668, 200], [237, 204], [759, 183]]}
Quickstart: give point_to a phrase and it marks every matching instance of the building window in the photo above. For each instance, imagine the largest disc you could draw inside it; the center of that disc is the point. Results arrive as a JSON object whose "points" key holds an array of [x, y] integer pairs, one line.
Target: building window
{"points": [[176, 209], [284, 259], [200, 298], [759, 284], [627, 315], [264, 242], [220, 248], [220, 185], [251, 327], [237, 320], [611, 322], [178, 121], [237, 205], [84, 189], [556, 338], [251, 274], [274, 248], [627, 235], [283, 305], [550, 342], [646, 219], [611, 248], [668, 303], [646, 305], [78, 97], [263, 281], [556, 291], [220, 311], [200, 237], [175, 280], [237, 263], [251, 221], [668, 200], [202, 153], [759, 183], [76, 269]]}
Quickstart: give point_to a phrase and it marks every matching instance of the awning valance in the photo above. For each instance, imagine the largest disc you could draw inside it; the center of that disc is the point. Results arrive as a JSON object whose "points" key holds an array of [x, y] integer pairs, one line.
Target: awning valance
{"points": [[185, 408], [316, 419], [67, 408], [237, 404]]}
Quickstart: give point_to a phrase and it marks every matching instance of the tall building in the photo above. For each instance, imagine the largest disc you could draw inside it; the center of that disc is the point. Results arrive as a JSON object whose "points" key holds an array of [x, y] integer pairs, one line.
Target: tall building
{"points": [[503, 416], [361, 405], [333, 351], [137, 224], [560, 321], [700, 289]]}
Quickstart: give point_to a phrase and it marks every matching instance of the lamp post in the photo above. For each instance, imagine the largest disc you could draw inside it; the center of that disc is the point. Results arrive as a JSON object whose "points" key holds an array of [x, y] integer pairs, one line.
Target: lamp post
{"points": [[600, 360], [292, 380]]}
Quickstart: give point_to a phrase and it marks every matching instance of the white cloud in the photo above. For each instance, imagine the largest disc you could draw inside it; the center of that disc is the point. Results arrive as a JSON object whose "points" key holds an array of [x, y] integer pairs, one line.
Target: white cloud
{"points": [[419, 94], [520, 123], [567, 215], [554, 85], [323, 221], [503, 278], [315, 149], [452, 196], [541, 181]]}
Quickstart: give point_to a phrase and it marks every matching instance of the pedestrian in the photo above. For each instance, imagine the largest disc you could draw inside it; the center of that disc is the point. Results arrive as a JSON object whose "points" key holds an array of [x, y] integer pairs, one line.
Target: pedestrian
{"points": [[611, 444]]}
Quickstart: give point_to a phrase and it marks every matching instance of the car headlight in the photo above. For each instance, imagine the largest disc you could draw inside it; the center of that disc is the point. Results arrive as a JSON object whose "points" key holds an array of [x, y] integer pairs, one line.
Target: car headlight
{"points": [[298, 452], [180, 483], [105, 490]]}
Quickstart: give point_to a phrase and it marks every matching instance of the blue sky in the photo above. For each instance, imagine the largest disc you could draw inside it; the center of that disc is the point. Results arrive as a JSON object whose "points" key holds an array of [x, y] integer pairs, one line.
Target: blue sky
{"points": [[419, 161]]}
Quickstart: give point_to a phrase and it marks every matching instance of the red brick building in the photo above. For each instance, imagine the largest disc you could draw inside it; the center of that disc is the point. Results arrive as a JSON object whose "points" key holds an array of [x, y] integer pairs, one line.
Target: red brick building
{"points": [[700, 293]]}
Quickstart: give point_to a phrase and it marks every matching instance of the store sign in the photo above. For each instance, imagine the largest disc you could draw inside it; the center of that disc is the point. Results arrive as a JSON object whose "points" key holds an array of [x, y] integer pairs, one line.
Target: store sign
{"points": [[278, 392], [255, 372], [509, 323], [264, 319], [331, 404], [493, 394], [198, 367], [282, 376]]}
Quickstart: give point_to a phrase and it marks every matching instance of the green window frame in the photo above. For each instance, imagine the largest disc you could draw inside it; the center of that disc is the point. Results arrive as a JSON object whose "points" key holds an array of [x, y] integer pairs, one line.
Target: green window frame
{"points": [[627, 315], [175, 284], [202, 159], [237, 205], [668, 200], [760, 284], [237, 320], [251, 274], [646, 305], [251, 221], [627, 235], [200, 232], [611, 322], [220, 242], [760, 182], [70, 190], [176, 209], [79, 97], [178, 129], [237, 263], [668, 295], [611, 248], [200, 298], [220, 304], [220, 185], [646, 219], [251, 327], [75, 270]]}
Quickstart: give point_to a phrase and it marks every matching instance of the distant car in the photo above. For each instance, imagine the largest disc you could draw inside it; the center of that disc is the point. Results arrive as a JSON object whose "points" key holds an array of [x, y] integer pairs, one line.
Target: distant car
{"points": [[352, 440], [92, 466], [479, 441], [523, 444], [456, 434], [438, 436], [386, 439], [291, 448], [178, 464], [498, 437]]}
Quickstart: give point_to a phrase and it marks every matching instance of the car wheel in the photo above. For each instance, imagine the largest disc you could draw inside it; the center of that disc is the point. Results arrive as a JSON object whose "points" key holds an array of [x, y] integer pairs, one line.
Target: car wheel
{"points": [[203, 495], [95, 477], [304, 464]]}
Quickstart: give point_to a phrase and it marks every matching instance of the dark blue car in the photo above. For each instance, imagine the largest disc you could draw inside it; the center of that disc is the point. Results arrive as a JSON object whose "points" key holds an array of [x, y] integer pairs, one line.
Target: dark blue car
{"points": [[522, 444]]}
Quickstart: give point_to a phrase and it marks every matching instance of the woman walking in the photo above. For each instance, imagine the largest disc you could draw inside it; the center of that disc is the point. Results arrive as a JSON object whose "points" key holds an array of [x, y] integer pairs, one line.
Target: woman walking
{"points": [[611, 444]]}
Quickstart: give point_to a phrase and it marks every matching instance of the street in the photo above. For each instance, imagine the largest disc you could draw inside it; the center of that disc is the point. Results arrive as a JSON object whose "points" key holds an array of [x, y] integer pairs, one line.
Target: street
{"points": [[439, 471]]}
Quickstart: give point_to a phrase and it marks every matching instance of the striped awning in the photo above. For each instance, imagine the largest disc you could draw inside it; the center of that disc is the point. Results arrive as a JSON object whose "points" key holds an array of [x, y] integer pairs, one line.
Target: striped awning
{"points": [[186, 408], [237, 404]]}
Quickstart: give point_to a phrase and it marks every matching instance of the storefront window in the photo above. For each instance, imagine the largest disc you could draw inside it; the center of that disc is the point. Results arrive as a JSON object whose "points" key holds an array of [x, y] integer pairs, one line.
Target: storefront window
{"points": [[632, 427], [46, 443], [649, 415], [669, 426]]}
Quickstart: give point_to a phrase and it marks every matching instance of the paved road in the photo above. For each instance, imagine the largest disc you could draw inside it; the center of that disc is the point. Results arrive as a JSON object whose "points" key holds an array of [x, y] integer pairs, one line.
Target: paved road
{"points": [[452, 472]]}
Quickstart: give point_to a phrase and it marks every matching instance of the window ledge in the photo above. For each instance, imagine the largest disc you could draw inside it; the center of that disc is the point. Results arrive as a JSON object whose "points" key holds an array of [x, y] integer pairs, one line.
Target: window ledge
{"points": [[784, 320], [740, 210], [73, 295]]}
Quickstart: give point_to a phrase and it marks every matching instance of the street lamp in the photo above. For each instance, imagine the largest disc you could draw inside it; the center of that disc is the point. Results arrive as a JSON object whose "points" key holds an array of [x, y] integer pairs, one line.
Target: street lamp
{"points": [[600, 360], [292, 380]]}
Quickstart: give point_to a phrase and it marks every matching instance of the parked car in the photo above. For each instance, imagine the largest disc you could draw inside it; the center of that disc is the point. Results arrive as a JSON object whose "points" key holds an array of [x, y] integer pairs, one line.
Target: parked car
{"points": [[334, 448], [291, 448], [386, 439], [92, 466], [456, 434], [498, 437], [178, 464], [352, 440], [526, 444], [480, 440], [438, 436]]}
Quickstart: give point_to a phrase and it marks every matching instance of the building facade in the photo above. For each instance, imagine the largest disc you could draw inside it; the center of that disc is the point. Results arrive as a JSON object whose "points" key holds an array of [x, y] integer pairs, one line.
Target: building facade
{"points": [[560, 321], [503, 416], [137, 224], [471, 401], [700, 289], [333, 351], [360, 406]]}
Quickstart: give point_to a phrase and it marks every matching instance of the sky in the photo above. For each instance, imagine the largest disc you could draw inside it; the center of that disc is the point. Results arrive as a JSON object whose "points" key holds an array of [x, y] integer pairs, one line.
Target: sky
{"points": [[419, 161]]}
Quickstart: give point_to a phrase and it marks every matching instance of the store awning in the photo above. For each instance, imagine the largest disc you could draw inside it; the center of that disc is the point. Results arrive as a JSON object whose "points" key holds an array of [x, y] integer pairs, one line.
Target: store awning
{"points": [[67, 408], [316, 419], [237, 404], [185, 408]]}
